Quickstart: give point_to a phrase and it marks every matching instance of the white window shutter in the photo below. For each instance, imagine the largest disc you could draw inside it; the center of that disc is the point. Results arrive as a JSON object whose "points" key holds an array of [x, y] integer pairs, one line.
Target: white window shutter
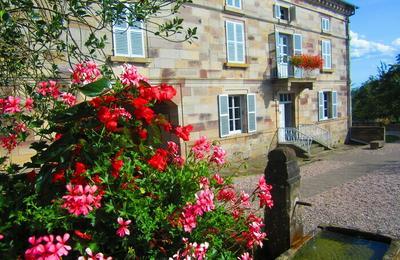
{"points": [[277, 11], [334, 104], [240, 57], [121, 42], [251, 113], [278, 58], [223, 115], [320, 105], [292, 13], [297, 50], [137, 43], [230, 41]]}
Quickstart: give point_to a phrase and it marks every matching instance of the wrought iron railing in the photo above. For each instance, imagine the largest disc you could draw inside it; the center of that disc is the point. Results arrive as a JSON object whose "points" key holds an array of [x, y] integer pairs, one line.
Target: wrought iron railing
{"points": [[318, 133], [291, 135]]}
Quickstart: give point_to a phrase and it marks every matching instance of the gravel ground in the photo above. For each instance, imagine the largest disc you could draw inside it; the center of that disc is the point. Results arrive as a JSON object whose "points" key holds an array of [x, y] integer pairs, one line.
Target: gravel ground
{"points": [[322, 167], [370, 203]]}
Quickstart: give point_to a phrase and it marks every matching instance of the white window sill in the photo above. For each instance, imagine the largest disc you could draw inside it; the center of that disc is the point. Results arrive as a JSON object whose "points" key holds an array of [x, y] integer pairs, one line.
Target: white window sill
{"points": [[128, 59]]}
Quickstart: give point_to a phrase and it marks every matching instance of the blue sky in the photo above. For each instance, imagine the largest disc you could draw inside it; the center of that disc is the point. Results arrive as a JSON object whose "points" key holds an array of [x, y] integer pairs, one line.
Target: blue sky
{"points": [[375, 32]]}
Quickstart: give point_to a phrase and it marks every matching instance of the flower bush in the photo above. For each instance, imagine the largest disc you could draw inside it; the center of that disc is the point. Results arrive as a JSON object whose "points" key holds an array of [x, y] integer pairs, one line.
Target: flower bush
{"points": [[307, 62], [104, 185]]}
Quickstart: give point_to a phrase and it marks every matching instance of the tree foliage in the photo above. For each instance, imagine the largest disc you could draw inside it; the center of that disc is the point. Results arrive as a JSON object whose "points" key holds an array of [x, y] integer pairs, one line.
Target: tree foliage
{"points": [[37, 35], [378, 97]]}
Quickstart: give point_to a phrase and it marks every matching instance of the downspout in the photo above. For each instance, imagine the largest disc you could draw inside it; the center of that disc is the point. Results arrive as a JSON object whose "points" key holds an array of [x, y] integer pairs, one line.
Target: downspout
{"points": [[349, 109]]}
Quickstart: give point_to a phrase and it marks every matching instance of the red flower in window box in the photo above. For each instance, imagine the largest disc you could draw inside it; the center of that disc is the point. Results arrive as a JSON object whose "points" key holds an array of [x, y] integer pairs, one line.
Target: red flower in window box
{"points": [[307, 62]]}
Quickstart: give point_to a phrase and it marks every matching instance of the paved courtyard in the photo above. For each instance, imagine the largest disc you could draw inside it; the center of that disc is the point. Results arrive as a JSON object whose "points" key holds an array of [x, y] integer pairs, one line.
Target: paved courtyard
{"points": [[355, 187]]}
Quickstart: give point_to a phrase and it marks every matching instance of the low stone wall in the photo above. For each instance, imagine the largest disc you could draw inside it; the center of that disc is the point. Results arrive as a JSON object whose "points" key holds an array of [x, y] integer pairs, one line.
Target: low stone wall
{"points": [[366, 134]]}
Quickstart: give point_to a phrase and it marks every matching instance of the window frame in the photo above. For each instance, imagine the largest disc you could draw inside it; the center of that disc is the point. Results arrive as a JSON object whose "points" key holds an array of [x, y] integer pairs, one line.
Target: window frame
{"points": [[233, 4], [235, 129], [326, 54], [278, 7], [129, 30], [235, 42], [329, 105]]}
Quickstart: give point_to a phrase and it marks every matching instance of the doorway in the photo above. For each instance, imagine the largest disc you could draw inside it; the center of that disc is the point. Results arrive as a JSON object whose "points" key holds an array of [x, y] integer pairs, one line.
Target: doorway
{"points": [[285, 114]]}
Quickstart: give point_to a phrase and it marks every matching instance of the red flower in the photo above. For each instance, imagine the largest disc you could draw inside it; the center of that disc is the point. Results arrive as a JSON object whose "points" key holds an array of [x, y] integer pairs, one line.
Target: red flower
{"points": [[139, 102], [58, 177], [58, 136], [82, 235], [142, 133], [159, 160], [184, 132], [116, 167], [145, 113], [167, 92], [31, 176], [77, 176]]}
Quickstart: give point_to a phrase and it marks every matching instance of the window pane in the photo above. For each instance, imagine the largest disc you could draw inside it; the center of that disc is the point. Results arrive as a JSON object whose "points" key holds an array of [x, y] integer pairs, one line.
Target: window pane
{"points": [[237, 101], [237, 124], [230, 113], [231, 125], [137, 43], [237, 112], [230, 31]]}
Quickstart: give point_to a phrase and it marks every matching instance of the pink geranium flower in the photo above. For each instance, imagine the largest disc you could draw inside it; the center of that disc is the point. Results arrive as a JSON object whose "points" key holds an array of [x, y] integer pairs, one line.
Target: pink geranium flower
{"points": [[201, 147], [245, 256], [46, 247], [205, 200], [80, 199], [130, 75], [218, 155], [123, 227], [93, 256], [68, 98], [12, 105], [29, 104]]}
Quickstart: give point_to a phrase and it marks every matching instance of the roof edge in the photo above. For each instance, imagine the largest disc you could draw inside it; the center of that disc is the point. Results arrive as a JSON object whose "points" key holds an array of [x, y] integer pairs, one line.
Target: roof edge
{"points": [[340, 6]]}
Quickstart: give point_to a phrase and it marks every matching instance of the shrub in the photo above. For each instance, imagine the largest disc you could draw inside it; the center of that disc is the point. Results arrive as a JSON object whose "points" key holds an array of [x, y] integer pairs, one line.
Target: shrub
{"points": [[104, 183]]}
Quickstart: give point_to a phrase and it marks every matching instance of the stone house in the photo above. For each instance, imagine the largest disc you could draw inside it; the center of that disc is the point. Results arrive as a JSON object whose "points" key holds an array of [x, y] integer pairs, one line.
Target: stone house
{"points": [[236, 84]]}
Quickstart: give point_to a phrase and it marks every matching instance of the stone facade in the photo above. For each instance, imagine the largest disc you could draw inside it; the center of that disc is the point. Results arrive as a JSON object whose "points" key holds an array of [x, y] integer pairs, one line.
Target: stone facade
{"points": [[200, 74]]}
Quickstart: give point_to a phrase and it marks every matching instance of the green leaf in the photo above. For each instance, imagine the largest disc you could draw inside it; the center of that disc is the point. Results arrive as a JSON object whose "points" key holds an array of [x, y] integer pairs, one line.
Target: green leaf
{"points": [[94, 89]]}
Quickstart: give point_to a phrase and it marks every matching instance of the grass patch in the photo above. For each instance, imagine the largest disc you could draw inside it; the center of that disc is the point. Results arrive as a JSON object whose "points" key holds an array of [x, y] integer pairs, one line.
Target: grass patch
{"points": [[392, 138]]}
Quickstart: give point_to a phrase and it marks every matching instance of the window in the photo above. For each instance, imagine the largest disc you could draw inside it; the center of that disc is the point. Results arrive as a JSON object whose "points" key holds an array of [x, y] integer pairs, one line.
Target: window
{"points": [[327, 105], [237, 114], [129, 40], [281, 12], [325, 24], [326, 54], [235, 42], [234, 3]]}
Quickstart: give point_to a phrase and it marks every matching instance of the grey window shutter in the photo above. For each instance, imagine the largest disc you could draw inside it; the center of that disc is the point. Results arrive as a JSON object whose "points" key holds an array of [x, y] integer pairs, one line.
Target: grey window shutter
{"points": [[239, 42], [292, 11], [137, 43], [278, 58], [121, 42], [277, 11], [334, 104], [223, 115], [230, 41], [251, 113], [320, 105], [297, 50]]}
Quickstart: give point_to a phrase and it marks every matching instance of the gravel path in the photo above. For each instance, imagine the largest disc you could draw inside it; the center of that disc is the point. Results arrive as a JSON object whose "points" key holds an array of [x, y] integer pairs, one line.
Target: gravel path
{"points": [[370, 203], [357, 188]]}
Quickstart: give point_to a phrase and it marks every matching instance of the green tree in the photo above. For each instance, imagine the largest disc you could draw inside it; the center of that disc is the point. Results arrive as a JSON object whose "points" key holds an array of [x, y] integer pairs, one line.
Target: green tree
{"points": [[378, 97], [36, 35]]}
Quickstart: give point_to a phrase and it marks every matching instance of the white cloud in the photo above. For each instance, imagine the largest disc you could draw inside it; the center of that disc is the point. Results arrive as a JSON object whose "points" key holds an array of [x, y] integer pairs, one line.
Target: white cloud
{"points": [[396, 42], [361, 47]]}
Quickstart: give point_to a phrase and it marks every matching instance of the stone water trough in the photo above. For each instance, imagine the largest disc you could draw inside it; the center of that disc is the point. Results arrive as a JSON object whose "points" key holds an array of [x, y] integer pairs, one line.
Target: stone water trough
{"points": [[286, 239]]}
